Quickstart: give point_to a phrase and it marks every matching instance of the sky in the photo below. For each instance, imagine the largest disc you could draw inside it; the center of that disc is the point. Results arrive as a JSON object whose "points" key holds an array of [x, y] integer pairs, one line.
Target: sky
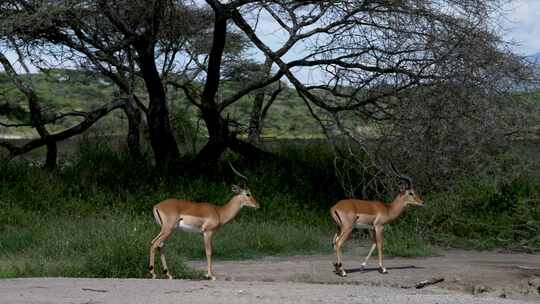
{"points": [[519, 21], [522, 25], [519, 24]]}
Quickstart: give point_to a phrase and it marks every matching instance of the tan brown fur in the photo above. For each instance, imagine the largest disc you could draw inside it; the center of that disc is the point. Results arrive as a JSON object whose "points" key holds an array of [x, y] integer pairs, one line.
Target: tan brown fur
{"points": [[205, 218], [349, 213]]}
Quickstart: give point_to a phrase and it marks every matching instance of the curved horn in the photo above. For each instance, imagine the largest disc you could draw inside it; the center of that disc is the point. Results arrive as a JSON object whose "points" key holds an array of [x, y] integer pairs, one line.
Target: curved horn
{"points": [[238, 173], [406, 178]]}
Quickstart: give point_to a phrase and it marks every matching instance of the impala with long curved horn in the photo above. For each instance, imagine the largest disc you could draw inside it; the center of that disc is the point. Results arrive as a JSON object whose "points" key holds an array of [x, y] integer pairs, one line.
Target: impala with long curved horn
{"points": [[373, 215], [204, 218]]}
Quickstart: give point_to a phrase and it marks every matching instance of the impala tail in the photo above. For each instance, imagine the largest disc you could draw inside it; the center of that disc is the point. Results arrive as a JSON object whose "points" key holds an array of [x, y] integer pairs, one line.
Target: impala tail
{"points": [[337, 219], [157, 216]]}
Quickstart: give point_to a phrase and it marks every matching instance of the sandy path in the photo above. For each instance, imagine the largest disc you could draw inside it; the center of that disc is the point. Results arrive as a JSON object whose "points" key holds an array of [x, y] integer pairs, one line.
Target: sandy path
{"points": [[493, 274], [116, 291], [308, 279]]}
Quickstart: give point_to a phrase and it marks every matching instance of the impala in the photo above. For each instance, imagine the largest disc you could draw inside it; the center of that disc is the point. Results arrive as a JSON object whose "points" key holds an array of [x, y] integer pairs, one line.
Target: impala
{"points": [[351, 213], [204, 218]]}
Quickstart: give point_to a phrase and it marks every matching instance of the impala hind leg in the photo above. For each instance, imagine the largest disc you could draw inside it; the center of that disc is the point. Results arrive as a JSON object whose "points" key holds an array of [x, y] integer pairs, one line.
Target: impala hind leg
{"points": [[164, 267], [334, 240], [341, 238], [208, 250], [373, 246], [157, 244]]}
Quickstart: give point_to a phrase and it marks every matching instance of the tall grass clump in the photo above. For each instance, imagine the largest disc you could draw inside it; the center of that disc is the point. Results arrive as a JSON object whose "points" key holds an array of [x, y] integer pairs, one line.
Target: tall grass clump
{"points": [[92, 217], [486, 213]]}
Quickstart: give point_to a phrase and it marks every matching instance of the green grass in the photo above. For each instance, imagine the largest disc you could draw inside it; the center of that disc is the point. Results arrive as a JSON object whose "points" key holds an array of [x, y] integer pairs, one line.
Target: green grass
{"points": [[117, 244], [482, 213], [93, 218]]}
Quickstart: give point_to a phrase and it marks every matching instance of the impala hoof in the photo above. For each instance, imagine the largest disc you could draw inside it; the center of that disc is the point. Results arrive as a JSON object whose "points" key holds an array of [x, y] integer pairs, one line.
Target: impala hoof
{"points": [[338, 269], [383, 270], [151, 271], [341, 273], [210, 277]]}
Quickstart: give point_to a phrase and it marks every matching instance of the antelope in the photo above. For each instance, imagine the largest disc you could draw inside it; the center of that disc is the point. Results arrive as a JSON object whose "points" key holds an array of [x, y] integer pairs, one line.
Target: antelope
{"points": [[205, 218], [351, 213]]}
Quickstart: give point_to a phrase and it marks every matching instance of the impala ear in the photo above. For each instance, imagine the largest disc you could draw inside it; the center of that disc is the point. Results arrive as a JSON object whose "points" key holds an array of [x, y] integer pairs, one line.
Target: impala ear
{"points": [[236, 189], [403, 187]]}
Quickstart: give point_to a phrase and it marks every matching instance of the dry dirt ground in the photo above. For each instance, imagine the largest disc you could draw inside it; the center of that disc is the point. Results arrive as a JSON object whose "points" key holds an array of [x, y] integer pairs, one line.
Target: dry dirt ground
{"points": [[491, 274], [469, 277]]}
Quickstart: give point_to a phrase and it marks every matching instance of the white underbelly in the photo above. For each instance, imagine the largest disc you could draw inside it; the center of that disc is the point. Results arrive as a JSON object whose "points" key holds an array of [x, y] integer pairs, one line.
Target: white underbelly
{"points": [[188, 228], [363, 226], [364, 221]]}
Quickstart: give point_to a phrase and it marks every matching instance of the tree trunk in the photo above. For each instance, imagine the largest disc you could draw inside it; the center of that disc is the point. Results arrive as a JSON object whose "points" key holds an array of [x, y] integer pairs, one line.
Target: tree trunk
{"points": [[134, 130], [255, 120], [218, 137], [37, 123], [34, 107], [90, 119], [218, 129], [52, 156], [166, 152], [255, 123]]}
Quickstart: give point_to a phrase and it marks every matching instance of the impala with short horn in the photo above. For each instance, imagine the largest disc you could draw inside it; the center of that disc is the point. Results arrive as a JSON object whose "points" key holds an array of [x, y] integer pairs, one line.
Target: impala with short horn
{"points": [[373, 215], [204, 218]]}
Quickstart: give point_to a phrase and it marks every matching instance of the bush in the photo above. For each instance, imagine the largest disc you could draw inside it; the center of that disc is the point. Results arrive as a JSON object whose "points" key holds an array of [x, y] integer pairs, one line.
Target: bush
{"points": [[93, 217]]}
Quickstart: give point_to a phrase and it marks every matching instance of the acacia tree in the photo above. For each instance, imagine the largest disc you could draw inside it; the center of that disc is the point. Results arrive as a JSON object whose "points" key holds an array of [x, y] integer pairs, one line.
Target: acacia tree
{"points": [[378, 58], [367, 53], [109, 36], [242, 73], [36, 119], [168, 41]]}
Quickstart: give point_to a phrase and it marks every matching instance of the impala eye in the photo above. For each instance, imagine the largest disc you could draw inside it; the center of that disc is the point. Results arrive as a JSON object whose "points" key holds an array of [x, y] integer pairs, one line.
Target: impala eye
{"points": [[248, 194]]}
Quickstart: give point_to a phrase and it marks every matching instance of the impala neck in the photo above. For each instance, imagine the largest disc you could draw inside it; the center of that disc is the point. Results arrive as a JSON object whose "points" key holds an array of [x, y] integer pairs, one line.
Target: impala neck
{"points": [[230, 210], [396, 207]]}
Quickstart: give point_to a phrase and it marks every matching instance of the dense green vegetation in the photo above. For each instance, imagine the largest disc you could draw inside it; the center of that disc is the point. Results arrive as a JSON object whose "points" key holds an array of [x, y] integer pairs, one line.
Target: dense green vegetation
{"points": [[64, 90], [92, 218], [59, 91], [431, 90]]}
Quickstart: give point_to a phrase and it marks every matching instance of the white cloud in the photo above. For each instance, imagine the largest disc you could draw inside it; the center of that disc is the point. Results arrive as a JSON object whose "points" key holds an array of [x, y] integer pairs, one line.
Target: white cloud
{"points": [[522, 25]]}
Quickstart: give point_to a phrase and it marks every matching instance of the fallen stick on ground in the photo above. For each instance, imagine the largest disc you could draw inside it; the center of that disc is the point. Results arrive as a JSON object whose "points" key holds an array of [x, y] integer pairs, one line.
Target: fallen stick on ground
{"points": [[425, 283], [94, 290], [528, 267]]}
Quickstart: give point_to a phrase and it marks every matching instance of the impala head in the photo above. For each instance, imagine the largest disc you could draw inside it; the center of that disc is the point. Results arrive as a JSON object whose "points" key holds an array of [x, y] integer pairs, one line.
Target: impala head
{"points": [[406, 189], [411, 198], [245, 197], [242, 191]]}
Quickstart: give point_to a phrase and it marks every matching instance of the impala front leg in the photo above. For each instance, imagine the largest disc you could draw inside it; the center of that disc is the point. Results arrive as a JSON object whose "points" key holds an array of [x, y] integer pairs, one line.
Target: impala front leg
{"points": [[374, 240], [208, 249], [379, 239]]}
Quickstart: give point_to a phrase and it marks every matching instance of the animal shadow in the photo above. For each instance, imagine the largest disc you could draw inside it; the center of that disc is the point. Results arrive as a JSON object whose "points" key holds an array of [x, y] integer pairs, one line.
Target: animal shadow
{"points": [[370, 269]]}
